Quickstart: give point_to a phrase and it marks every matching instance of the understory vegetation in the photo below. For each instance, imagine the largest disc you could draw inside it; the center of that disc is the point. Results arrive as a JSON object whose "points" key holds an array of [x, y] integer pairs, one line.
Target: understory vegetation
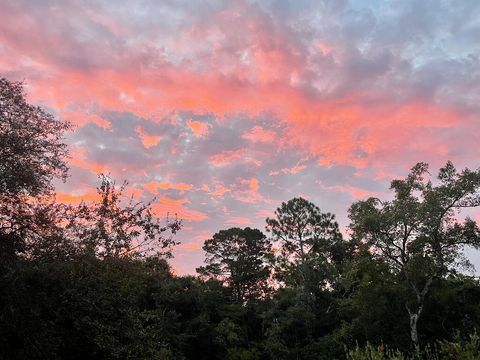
{"points": [[92, 280]]}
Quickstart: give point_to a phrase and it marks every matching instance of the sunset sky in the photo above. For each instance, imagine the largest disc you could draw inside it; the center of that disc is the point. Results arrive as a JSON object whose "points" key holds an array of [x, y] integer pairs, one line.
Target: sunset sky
{"points": [[224, 109]]}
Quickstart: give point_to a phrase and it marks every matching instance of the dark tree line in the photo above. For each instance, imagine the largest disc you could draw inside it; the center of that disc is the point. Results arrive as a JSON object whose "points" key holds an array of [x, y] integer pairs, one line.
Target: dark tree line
{"points": [[92, 280]]}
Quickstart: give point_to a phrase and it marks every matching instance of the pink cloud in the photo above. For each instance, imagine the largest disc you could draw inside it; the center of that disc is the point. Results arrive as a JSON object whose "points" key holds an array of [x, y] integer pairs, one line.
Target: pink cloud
{"points": [[100, 122], [225, 157], [86, 195], [299, 166], [217, 189], [177, 207], [239, 221], [154, 186], [78, 158], [198, 128], [148, 140], [246, 190], [81, 118], [353, 191], [190, 246], [202, 236], [263, 214], [228, 157], [259, 134], [324, 49], [280, 92]]}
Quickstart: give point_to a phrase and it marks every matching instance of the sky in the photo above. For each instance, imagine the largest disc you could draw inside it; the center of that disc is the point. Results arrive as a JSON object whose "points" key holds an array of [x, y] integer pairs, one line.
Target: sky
{"points": [[221, 110]]}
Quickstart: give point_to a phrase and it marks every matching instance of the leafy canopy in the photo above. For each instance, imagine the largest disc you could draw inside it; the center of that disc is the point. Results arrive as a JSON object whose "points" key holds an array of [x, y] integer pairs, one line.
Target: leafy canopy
{"points": [[241, 259], [32, 150], [419, 233], [310, 241]]}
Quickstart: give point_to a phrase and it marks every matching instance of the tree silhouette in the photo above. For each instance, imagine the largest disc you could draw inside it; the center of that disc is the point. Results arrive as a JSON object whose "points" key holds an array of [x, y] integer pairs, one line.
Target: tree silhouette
{"points": [[115, 226], [241, 259], [418, 233], [310, 243], [32, 154], [32, 150]]}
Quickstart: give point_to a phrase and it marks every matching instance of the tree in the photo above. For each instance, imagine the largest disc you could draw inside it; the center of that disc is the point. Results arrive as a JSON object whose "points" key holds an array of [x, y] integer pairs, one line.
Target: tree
{"points": [[240, 258], [310, 243], [32, 154], [32, 150], [418, 233], [374, 304], [112, 227]]}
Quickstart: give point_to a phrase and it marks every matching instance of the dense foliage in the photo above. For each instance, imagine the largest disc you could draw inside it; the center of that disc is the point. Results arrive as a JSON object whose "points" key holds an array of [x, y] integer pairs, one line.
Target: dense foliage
{"points": [[92, 281], [241, 259]]}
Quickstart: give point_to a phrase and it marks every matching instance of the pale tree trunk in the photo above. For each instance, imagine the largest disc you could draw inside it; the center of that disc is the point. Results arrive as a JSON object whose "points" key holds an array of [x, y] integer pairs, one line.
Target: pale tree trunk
{"points": [[414, 316]]}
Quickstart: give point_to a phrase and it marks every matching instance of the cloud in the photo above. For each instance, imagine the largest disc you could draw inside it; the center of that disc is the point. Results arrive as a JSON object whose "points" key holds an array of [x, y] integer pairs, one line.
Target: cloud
{"points": [[176, 207], [77, 197], [216, 189], [191, 246], [79, 159], [198, 128], [228, 157], [355, 193], [226, 108], [299, 166], [259, 134], [154, 186], [147, 140], [239, 221]]}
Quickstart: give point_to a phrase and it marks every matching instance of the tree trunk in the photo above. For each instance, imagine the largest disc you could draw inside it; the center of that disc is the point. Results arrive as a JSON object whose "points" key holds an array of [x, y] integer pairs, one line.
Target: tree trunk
{"points": [[415, 315], [413, 330]]}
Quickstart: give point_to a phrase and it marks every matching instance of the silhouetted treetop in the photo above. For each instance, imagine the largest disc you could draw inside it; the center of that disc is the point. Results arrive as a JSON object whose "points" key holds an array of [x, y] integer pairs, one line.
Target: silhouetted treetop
{"points": [[241, 259], [418, 233], [119, 226], [32, 150]]}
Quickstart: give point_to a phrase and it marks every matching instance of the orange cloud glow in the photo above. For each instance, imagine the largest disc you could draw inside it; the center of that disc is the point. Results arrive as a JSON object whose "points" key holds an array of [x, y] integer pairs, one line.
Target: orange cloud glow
{"points": [[173, 207], [79, 159], [154, 186], [224, 111], [148, 141], [198, 128], [239, 221], [258, 134]]}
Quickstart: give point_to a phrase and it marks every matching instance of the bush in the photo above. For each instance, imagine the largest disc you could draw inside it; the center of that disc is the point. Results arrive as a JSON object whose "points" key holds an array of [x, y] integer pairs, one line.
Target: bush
{"points": [[370, 352], [444, 350]]}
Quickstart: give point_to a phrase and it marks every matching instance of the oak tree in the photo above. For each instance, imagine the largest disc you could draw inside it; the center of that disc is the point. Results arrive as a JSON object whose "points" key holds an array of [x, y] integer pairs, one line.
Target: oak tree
{"points": [[419, 233], [32, 154]]}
